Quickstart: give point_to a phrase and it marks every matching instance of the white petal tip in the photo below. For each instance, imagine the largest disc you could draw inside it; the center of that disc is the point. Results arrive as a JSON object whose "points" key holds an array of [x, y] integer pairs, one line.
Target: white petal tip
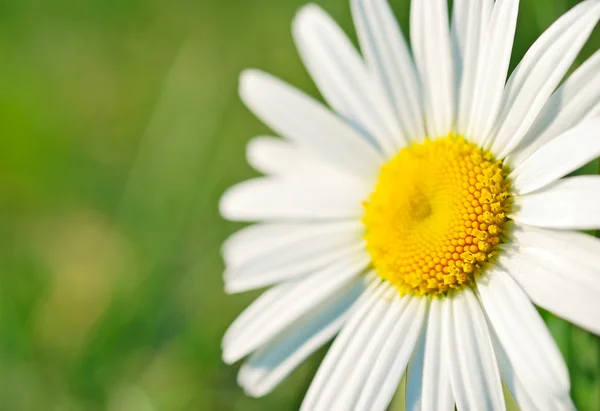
{"points": [[306, 21], [229, 289], [250, 392], [231, 356], [247, 75], [254, 392], [235, 287], [233, 205], [250, 83], [227, 205], [306, 13], [236, 283], [250, 382]]}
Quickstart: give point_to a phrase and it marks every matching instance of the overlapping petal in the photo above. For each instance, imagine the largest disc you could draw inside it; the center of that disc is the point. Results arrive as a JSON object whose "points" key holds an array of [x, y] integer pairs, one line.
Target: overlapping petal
{"points": [[549, 288], [577, 100], [279, 157], [492, 68], [309, 124], [391, 64], [393, 351], [437, 392], [468, 350], [268, 366], [557, 158], [571, 203], [368, 372], [353, 337], [528, 398], [342, 77], [430, 38], [470, 28], [282, 305], [281, 198], [539, 73], [524, 337]]}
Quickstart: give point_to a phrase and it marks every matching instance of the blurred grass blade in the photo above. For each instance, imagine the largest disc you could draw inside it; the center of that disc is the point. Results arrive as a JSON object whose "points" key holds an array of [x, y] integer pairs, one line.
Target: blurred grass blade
{"points": [[159, 197]]}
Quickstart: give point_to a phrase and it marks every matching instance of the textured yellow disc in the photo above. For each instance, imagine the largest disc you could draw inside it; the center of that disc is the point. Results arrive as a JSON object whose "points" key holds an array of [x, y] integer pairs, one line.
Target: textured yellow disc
{"points": [[435, 216]]}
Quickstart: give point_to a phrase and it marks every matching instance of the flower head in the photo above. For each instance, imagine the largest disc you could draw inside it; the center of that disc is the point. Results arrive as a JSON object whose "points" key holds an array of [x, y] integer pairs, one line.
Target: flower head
{"points": [[424, 214]]}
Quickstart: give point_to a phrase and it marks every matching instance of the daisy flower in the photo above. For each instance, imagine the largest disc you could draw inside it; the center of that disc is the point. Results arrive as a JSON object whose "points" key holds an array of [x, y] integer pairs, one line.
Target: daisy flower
{"points": [[422, 216]]}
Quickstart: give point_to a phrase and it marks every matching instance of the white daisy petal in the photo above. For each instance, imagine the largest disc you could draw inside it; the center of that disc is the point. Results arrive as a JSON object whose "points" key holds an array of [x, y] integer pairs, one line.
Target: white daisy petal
{"points": [[553, 290], [342, 77], [572, 203], [572, 254], [272, 155], [414, 374], [540, 71], [430, 38], [287, 266], [344, 195], [277, 198], [470, 20], [264, 254], [345, 382], [267, 367], [492, 69], [578, 99], [261, 240], [437, 392], [523, 334], [275, 156], [389, 59], [529, 398], [282, 305], [392, 356], [355, 334], [307, 123], [356, 371], [564, 154], [474, 374]]}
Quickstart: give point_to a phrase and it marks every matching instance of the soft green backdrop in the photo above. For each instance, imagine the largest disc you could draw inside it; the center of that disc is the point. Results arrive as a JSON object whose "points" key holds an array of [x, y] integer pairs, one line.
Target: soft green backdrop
{"points": [[120, 128]]}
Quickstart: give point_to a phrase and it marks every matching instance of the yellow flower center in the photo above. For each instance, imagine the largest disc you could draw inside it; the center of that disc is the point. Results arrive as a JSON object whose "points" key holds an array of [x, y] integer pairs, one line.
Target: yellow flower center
{"points": [[435, 216]]}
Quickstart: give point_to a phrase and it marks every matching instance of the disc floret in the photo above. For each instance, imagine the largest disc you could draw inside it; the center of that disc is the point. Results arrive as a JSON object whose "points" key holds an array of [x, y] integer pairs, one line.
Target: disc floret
{"points": [[436, 215]]}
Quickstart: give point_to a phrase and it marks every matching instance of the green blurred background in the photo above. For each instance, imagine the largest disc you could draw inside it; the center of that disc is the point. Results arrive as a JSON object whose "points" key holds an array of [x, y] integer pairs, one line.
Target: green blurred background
{"points": [[120, 128]]}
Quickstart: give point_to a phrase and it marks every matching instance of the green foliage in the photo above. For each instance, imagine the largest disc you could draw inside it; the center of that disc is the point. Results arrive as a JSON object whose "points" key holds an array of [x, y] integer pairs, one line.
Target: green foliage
{"points": [[121, 127]]}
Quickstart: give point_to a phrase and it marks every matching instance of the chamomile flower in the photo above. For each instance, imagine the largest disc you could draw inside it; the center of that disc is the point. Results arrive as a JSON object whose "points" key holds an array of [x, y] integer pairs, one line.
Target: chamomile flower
{"points": [[423, 216]]}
